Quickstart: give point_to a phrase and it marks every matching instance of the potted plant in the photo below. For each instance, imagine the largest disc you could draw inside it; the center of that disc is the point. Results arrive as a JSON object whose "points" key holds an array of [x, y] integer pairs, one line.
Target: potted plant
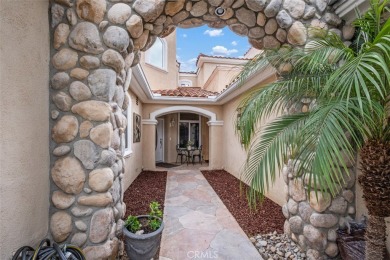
{"points": [[190, 144], [142, 233]]}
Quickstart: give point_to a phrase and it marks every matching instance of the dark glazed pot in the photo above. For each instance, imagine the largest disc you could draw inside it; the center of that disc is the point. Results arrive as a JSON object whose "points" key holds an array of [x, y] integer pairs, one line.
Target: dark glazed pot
{"points": [[145, 246]]}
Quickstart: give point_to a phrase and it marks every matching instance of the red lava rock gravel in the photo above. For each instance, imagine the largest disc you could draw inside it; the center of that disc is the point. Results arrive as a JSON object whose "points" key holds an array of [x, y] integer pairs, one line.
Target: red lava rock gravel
{"points": [[149, 186], [267, 218]]}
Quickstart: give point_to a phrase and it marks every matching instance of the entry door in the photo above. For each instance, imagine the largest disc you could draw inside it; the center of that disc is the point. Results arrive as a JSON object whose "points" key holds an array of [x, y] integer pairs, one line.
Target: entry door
{"points": [[160, 140]]}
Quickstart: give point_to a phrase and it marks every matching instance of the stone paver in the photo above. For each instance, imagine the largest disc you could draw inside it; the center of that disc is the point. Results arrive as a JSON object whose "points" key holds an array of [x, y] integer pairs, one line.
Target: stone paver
{"points": [[197, 223]]}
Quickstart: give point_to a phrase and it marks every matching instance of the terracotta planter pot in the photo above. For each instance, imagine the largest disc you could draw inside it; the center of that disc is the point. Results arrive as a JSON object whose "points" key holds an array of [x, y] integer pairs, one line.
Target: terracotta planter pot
{"points": [[145, 246]]}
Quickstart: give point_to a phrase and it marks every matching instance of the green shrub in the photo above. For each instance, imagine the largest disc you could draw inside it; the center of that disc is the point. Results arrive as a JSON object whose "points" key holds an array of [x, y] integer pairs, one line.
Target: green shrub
{"points": [[133, 225]]}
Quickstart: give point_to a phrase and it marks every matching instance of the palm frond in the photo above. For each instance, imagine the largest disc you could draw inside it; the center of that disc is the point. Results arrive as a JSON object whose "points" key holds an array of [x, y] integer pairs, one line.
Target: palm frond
{"points": [[274, 99], [326, 145], [366, 75], [370, 23], [351, 86], [268, 153]]}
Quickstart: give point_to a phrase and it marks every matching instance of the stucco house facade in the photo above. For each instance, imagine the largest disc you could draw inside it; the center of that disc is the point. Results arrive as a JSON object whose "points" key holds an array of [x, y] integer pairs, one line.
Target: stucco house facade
{"points": [[151, 108]]}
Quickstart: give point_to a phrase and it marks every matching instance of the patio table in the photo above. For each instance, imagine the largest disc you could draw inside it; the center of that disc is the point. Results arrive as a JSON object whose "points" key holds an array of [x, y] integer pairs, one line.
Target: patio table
{"points": [[189, 152]]}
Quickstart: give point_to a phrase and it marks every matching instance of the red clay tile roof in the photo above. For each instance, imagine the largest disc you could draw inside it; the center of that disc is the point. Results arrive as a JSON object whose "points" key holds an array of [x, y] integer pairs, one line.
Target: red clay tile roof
{"points": [[185, 92]]}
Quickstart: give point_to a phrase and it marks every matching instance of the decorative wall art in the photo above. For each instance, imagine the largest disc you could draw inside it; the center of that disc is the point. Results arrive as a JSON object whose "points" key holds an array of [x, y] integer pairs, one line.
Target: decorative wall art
{"points": [[136, 128]]}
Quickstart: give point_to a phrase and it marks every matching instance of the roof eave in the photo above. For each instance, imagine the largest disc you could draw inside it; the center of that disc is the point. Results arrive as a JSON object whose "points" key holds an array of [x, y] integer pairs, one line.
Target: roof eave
{"points": [[141, 88]]}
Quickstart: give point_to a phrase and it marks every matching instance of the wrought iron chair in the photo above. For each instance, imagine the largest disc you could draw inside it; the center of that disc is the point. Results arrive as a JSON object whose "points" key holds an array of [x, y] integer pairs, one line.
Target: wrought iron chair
{"points": [[181, 153], [198, 154]]}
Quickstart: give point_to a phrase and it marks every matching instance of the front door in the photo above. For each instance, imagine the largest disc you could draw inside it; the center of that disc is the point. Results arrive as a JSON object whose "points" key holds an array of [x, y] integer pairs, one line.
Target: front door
{"points": [[160, 140]]}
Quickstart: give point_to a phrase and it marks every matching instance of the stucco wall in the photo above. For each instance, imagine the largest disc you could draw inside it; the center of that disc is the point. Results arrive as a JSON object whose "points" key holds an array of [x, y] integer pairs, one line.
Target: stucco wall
{"points": [[205, 71], [205, 137], [221, 77], [192, 77], [163, 79], [24, 124], [170, 138], [133, 162], [208, 66], [235, 155]]}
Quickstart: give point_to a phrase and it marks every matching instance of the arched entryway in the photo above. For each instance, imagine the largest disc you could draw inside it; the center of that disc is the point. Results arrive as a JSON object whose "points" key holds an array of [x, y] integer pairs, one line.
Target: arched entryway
{"points": [[215, 134], [95, 44]]}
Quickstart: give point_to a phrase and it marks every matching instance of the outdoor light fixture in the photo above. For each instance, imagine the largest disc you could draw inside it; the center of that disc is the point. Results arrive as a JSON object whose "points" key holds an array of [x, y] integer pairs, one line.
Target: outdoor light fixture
{"points": [[172, 122], [220, 11]]}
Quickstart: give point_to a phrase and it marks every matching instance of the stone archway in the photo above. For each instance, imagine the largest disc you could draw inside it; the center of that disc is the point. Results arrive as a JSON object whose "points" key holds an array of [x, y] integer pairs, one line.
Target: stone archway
{"points": [[94, 45]]}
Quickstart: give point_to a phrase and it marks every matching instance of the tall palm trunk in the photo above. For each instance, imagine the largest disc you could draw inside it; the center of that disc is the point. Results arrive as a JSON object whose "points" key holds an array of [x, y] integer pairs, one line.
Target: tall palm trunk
{"points": [[375, 181]]}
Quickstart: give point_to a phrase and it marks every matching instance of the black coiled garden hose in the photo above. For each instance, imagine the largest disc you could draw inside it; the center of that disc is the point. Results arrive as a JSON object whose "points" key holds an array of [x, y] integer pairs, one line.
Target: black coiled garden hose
{"points": [[45, 251]]}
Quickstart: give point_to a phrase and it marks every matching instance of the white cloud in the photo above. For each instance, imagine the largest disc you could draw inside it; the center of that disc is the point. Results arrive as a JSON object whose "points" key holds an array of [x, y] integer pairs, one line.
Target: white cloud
{"points": [[221, 50], [184, 35], [234, 43], [214, 33], [188, 65]]}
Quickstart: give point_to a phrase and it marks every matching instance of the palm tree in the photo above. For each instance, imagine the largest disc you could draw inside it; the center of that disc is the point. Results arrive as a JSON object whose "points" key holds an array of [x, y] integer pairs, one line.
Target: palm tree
{"points": [[350, 86]]}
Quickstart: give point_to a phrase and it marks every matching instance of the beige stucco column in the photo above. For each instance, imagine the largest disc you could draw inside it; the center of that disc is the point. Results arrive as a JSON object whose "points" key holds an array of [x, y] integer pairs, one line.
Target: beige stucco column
{"points": [[216, 145], [148, 143]]}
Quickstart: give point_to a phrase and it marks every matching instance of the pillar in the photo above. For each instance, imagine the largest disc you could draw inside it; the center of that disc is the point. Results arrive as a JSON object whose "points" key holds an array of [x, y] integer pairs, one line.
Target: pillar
{"points": [[216, 144], [312, 220], [91, 60], [149, 144]]}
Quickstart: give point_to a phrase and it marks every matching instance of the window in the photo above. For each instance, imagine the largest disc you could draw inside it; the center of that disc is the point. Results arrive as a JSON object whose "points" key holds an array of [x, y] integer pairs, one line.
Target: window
{"points": [[185, 83], [189, 129], [129, 131], [157, 54]]}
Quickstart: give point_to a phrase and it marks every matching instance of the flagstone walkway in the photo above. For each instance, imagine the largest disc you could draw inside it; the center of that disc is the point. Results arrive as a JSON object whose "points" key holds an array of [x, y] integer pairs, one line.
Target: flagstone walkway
{"points": [[197, 223]]}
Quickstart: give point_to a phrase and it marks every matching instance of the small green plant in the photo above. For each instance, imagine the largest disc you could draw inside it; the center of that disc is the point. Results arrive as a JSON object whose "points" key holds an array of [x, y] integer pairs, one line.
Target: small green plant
{"points": [[132, 224], [155, 210], [154, 222]]}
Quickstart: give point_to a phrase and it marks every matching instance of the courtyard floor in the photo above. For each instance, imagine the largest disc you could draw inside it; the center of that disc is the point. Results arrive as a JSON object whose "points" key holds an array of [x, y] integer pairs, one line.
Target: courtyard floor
{"points": [[197, 223]]}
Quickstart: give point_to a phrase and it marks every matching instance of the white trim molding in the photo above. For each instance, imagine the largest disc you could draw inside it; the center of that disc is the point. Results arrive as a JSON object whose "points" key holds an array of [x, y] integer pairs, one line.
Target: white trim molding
{"points": [[164, 55], [174, 109], [129, 131], [185, 83], [149, 121], [215, 123]]}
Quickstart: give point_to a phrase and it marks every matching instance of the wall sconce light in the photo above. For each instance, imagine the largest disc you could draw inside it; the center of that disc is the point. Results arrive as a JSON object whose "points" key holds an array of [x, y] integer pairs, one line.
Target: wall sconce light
{"points": [[172, 122]]}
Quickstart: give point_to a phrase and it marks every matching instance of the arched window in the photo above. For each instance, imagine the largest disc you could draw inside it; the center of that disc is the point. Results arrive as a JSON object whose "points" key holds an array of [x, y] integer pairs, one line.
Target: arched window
{"points": [[157, 54], [185, 83]]}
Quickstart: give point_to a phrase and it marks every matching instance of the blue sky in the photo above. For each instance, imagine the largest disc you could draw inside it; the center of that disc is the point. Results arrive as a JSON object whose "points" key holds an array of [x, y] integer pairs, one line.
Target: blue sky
{"points": [[209, 41]]}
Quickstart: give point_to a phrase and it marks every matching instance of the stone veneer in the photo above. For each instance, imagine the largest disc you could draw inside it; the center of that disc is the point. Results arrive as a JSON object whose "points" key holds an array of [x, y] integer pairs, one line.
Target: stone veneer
{"points": [[312, 220], [95, 43]]}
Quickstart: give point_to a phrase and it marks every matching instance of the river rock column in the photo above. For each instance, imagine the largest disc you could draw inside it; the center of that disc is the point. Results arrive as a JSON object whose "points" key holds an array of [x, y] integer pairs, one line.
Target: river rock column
{"points": [[91, 60], [312, 221]]}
